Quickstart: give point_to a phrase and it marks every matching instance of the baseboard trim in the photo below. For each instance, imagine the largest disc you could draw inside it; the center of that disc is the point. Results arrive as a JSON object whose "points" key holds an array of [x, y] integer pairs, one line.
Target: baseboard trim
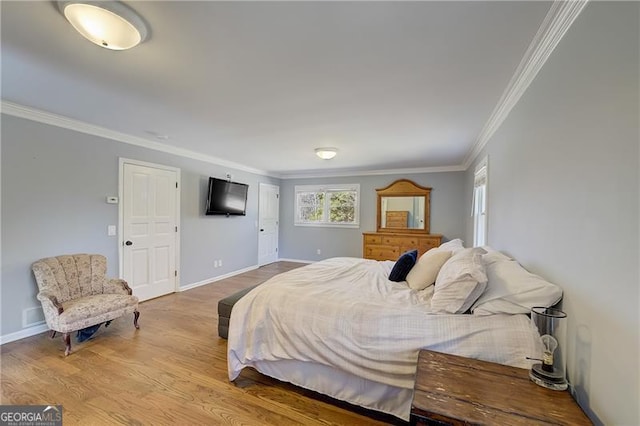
{"points": [[218, 278], [41, 328], [296, 260], [24, 333]]}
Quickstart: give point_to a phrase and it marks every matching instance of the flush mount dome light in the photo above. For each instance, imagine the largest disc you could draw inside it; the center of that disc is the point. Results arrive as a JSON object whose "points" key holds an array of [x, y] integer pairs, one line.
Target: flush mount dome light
{"points": [[109, 24], [326, 153]]}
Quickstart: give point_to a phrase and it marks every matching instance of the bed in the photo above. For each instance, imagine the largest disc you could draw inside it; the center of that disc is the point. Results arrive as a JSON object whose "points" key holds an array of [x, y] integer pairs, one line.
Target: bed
{"points": [[341, 328]]}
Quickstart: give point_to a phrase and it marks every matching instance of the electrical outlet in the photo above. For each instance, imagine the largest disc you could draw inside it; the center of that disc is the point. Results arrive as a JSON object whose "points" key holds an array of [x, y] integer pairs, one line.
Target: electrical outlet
{"points": [[318, 251]]}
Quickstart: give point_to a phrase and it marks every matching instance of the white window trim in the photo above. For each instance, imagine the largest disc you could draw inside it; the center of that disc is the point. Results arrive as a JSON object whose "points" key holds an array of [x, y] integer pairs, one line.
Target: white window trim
{"points": [[327, 187], [481, 178]]}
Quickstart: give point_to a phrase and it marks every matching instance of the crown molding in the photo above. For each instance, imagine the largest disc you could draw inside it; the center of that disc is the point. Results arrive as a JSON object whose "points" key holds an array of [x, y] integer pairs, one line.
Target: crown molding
{"points": [[559, 19], [45, 117], [350, 172], [556, 23], [40, 116]]}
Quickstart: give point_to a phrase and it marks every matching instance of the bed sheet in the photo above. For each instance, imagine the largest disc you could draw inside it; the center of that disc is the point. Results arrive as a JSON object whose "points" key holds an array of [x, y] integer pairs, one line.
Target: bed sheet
{"points": [[344, 313]]}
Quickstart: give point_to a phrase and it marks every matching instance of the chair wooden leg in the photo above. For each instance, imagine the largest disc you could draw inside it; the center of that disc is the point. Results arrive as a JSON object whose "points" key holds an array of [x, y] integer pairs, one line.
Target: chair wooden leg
{"points": [[53, 334], [136, 315], [67, 342]]}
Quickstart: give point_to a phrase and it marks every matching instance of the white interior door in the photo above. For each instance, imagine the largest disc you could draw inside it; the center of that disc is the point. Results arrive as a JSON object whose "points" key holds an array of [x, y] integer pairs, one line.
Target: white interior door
{"points": [[268, 222], [150, 209]]}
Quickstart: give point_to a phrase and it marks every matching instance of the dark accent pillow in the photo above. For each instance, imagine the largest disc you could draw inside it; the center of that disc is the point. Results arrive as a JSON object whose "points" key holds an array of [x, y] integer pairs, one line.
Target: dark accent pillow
{"points": [[403, 266]]}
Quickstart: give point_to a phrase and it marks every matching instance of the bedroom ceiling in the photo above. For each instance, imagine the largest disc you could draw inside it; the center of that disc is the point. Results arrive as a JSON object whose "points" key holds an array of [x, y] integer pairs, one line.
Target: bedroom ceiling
{"points": [[391, 85]]}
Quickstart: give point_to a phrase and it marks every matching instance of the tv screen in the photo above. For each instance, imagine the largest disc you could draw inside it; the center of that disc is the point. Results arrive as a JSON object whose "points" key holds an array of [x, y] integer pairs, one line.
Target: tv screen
{"points": [[226, 198]]}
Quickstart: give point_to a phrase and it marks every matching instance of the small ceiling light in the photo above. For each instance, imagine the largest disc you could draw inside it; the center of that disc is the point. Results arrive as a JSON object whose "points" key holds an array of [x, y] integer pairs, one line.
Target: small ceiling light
{"points": [[326, 153], [109, 24]]}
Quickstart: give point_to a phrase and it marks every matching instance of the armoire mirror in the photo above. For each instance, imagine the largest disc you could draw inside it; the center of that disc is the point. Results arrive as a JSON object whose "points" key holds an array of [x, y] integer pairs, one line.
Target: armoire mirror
{"points": [[403, 206]]}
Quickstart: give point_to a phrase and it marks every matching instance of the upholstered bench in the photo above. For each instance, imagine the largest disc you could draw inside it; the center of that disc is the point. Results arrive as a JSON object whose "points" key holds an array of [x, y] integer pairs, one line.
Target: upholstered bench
{"points": [[224, 310]]}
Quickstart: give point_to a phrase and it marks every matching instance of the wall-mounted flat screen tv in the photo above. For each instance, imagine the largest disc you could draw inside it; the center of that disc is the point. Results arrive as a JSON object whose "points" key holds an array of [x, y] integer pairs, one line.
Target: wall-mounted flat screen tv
{"points": [[226, 198]]}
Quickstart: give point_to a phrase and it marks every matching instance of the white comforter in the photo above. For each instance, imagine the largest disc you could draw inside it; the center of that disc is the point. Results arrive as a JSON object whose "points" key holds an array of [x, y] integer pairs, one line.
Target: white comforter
{"points": [[346, 314]]}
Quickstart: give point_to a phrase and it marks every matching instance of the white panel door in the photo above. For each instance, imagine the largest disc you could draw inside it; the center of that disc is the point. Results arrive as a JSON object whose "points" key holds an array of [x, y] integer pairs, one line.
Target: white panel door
{"points": [[268, 221], [149, 230]]}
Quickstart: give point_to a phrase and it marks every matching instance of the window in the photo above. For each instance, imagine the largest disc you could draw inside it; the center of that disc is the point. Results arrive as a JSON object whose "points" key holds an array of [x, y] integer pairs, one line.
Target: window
{"points": [[327, 205], [479, 209]]}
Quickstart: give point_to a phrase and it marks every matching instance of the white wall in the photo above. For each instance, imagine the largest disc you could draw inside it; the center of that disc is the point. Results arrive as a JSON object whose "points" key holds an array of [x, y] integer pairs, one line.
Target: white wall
{"points": [[564, 200]]}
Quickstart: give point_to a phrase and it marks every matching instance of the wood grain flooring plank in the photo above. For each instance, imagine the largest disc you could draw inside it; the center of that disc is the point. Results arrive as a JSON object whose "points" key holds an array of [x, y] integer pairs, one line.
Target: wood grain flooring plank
{"points": [[172, 371]]}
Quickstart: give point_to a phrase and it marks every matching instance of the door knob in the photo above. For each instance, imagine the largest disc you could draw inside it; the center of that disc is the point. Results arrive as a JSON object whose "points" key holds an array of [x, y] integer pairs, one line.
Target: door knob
{"points": [[128, 243], [261, 230]]}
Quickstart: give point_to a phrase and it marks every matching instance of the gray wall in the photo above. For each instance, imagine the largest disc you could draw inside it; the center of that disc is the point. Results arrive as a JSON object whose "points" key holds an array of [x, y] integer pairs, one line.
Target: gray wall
{"points": [[54, 185], [448, 210], [563, 199]]}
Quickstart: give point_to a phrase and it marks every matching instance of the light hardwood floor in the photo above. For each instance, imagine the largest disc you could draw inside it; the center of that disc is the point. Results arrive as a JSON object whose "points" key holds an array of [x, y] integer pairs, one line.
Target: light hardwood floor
{"points": [[173, 371]]}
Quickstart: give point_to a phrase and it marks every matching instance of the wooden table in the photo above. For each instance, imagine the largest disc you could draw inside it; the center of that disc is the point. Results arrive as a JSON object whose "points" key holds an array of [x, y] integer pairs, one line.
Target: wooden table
{"points": [[452, 390]]}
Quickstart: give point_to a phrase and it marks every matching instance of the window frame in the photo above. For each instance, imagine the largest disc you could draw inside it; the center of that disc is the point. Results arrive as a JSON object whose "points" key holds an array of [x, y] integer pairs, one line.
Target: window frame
{"points": [[327, 189], [479, 206]]}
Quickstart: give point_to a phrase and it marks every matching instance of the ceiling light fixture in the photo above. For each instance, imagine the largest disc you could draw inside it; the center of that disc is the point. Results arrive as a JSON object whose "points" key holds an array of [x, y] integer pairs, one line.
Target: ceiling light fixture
{"points": [[326, 153], [109, 24]]}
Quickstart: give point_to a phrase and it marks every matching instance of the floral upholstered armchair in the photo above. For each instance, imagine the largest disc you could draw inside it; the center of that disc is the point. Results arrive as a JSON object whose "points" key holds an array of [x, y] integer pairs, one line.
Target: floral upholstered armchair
{"points": [[75, 294]]}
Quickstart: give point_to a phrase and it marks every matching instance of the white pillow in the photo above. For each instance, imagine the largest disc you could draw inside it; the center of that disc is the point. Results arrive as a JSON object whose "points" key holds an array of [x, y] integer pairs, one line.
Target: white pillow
{"points": [[493, 256], [460, 282], [426, 269], [453, 246], [513, 290]]}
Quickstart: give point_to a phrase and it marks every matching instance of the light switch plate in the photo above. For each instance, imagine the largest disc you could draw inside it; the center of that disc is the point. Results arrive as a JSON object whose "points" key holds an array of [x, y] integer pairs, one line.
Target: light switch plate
{"points": [[111, 230]]}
